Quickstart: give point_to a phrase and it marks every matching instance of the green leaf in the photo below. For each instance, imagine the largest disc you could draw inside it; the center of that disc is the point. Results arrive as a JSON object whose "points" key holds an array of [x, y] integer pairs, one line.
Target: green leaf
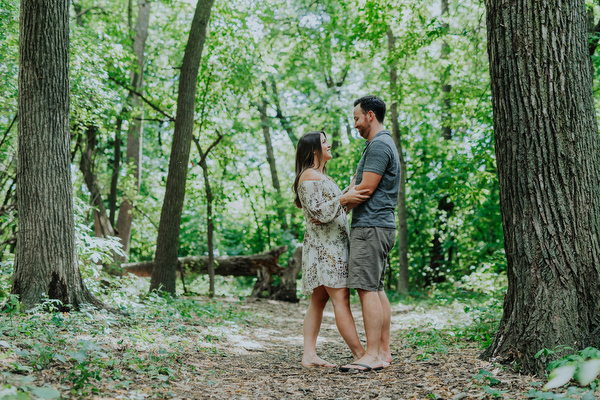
{"points": [[46, 392], [22, 368], [79, 355], [560, 376], [588, 371], [59, 357]]}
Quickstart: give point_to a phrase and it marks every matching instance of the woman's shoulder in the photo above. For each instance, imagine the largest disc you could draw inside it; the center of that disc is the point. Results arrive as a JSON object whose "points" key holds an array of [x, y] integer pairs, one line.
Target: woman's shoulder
{"points": [[310, 175]]}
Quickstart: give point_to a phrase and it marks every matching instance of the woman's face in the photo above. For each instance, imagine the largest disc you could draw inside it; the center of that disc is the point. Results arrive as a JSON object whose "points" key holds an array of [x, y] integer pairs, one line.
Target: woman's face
{"points": [[325, 148]]}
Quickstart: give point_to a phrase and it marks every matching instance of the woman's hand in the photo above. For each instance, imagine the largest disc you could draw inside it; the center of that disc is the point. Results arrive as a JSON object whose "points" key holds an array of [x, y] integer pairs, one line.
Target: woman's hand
{"points": [[354, 196]]}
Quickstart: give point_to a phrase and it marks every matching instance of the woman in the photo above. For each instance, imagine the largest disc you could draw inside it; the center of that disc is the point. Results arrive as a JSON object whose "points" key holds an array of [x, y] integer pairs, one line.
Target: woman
{"points": [[325, 247]]}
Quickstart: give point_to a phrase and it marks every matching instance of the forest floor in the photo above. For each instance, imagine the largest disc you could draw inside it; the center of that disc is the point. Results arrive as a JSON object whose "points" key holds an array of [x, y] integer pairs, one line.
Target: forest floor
{"points": [[249, 349], [264, 363]]}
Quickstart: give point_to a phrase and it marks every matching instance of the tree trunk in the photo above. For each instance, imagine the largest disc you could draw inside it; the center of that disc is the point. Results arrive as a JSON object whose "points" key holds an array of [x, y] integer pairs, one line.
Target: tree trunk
{"points": [[286, 291], [167, 245], [225, 265], [209, 219], [102, 225], [285, 123], [547, 148], [45, 260], [403, 285], [136, 124], [114, 179], [209, 229], [446, 87], [266, 128], [439, 260]]}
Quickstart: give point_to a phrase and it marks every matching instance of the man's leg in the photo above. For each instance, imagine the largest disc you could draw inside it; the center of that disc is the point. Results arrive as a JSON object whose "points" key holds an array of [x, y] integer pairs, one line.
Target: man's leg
{"points": [[373, 320], [385, 353]]}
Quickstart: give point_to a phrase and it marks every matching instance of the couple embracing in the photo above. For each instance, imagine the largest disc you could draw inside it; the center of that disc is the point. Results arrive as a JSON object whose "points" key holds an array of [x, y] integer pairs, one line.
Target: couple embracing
{"points": [[334, 260]]}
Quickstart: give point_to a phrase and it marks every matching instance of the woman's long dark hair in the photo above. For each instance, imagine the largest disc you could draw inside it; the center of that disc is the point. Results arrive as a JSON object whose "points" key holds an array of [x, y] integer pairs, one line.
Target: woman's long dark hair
{"points": [[305, 157]]}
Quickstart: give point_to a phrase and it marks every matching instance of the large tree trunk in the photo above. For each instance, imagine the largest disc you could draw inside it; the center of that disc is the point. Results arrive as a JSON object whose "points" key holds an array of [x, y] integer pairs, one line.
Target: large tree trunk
{"points": [[136, 124], [225, 265], [403, 285], [45, 260], [167, 245], [547, 150]]}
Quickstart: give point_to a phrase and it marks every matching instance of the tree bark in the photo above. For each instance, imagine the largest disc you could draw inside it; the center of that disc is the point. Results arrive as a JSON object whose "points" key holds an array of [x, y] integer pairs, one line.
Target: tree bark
{"points": [[403, 285], [114, 179], [136, 124], [440, 259], [286, 291], [225, 265], [102, 225], [167, 246], [45, 260], [547, 148], [209, 219], [266, 128], [285, 123]]}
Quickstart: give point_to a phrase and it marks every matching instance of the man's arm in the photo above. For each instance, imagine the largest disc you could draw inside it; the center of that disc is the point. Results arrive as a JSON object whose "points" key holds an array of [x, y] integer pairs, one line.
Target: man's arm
{"points": [[370, 181]]}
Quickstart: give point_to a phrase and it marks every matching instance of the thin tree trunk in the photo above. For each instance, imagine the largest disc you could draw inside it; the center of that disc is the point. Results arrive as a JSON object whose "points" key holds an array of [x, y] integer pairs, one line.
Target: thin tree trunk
{"points": [[136, 124], [114, 179], [403, 284], [266, 128], [167, 246], [547, 151], [285, 123], [439, 259], [102, 225], [446, 87], [209, 229], [45, 260], [209, 218]]}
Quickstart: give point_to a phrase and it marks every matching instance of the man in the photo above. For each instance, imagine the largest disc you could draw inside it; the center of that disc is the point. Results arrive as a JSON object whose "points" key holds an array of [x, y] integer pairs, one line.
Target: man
{"points": [[373, 230]]}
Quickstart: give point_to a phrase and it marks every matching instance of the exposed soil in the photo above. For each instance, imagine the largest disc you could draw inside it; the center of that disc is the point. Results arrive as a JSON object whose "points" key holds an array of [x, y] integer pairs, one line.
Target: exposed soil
{"points": [[264, 363]]}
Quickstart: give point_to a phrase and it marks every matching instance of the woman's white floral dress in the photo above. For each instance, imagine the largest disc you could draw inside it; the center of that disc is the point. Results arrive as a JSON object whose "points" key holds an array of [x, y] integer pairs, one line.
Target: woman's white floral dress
{"points": [[325, 247]]}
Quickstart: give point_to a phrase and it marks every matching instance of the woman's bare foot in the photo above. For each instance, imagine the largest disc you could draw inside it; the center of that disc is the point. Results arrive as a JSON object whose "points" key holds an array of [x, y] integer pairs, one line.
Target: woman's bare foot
{"points": [[386, 358], [316, 361]]}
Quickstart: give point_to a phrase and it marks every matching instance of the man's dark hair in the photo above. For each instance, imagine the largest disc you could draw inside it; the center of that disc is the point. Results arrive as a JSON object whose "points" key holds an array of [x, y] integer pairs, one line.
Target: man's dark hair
{"points": [[372, 103]]}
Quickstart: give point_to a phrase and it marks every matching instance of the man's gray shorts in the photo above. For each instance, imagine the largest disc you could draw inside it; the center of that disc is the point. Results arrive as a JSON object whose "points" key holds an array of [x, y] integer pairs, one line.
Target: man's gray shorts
{"points": [[369, 249]]}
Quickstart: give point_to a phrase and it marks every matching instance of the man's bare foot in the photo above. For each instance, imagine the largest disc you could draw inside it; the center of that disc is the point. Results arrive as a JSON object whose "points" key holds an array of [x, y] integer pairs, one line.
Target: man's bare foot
{"points": [[361, 364], [316, 361]]}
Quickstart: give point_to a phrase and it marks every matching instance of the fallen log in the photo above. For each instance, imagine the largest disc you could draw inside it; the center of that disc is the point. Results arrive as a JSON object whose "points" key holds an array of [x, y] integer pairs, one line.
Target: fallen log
{"points": [[224, 265]]}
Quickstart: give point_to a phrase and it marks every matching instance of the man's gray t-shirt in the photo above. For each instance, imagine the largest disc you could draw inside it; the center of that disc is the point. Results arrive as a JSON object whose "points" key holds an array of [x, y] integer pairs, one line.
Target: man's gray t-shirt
{"points": [[381, 157]]}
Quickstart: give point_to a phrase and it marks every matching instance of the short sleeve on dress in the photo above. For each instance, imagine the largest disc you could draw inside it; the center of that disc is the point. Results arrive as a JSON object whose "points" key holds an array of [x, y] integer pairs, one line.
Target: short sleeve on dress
{"points": [[319, 204]]}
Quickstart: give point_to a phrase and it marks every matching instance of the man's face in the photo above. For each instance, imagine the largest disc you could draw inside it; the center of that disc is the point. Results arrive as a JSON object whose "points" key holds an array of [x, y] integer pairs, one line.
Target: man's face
{"points": [[362, 122]]}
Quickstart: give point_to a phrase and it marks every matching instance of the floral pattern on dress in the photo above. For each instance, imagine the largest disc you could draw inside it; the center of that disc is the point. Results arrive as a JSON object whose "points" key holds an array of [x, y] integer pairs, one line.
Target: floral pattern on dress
{"points": [[325, 247]]}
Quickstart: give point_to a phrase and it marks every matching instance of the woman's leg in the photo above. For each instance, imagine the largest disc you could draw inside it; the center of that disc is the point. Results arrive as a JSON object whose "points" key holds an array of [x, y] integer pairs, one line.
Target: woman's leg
{"points": [[312, 325], [344, 320]]}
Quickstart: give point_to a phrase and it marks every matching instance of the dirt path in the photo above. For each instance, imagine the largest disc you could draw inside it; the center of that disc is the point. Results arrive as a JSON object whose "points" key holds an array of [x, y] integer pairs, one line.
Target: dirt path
{"points": [[263, 362]]}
